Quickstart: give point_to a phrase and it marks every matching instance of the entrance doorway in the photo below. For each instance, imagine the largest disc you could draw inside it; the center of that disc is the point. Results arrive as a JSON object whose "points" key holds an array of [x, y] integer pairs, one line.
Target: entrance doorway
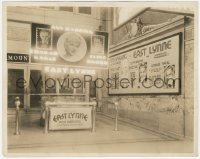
{"points": [[25, 82]]}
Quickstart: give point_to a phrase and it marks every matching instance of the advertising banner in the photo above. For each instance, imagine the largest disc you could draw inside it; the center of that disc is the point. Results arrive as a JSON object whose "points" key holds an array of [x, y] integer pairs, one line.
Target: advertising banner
{"points": [[68, 46], [70, 118], [150, 69], [14, 57]]}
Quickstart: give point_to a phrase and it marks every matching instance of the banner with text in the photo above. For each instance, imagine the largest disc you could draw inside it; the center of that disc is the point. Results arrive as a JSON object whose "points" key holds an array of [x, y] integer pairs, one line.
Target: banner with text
{"points": [[68, 46], [70, 118], [150, 69]]}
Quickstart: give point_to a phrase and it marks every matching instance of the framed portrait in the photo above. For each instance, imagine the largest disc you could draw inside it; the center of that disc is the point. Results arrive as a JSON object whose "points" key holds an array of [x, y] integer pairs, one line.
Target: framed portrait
{"points": [[71, 46], [44, 38], [97, 44]]}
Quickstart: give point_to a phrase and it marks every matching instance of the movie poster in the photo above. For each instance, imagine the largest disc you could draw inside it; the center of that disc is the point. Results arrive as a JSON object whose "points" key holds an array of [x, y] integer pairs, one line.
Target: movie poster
{"points": [[68, 46], [150, 69]]}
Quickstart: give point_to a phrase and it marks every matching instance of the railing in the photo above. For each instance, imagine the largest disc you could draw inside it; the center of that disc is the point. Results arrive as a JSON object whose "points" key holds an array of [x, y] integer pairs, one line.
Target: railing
{"points": [[17, 104], [49, 104], [115, 103]]}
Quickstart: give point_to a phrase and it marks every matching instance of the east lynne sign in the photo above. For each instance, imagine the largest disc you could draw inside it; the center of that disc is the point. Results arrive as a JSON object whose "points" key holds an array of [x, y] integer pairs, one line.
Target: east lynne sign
{"points": [[150, 69], [70, 118]]}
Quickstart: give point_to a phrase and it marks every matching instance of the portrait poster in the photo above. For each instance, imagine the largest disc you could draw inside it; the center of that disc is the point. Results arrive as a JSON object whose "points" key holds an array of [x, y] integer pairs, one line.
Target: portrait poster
{"points": [[97, 45], [150, 69], [74, 47], [44, 38]]}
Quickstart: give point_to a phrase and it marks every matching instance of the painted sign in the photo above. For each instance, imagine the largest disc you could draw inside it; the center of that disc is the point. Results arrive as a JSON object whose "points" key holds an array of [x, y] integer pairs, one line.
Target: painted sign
{"points": [[70, 118], [68, 46], [149, 69], [12, 57]]}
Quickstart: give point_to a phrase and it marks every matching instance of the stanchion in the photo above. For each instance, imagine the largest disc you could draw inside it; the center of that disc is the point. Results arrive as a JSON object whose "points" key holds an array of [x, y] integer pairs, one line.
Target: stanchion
{"points": [[93, 116], [17, 104], [46, 118], [116, 115]]}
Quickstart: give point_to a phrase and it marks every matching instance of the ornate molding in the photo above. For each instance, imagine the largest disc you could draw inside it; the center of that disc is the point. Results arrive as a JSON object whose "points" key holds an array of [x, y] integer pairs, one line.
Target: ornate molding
{"points": [[145, 32]]}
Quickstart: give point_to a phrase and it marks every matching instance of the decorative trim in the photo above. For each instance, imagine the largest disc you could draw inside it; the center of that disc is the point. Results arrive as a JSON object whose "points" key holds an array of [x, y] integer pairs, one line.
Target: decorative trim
{"points": [[127, 44]]}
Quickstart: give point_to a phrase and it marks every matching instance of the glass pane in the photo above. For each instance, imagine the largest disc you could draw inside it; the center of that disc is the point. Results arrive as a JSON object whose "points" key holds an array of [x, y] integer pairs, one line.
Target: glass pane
{"points": [[35, 101], [80, 90], [16, 81], [65, 86], [11, 101], [92, 89], [36, 81], [50, 83], [69, 9], [85, 10]]}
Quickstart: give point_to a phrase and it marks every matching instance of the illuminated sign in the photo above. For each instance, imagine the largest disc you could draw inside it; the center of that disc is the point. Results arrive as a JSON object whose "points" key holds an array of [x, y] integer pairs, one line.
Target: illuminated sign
{"points": [[12, 57], [69, 70], [68, 46], [70, 118]]}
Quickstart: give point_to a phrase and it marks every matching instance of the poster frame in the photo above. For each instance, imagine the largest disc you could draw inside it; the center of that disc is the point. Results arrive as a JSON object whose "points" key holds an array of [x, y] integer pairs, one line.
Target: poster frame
{"points": [[180, 34]]}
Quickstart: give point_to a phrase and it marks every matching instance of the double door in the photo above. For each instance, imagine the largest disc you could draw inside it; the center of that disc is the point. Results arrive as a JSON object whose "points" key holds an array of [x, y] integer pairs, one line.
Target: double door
{"points": [[25, 82]]}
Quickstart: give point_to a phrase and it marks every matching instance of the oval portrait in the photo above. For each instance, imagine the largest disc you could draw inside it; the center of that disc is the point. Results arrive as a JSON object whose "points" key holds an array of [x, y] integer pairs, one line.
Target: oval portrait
{"points": [[71, 46]]}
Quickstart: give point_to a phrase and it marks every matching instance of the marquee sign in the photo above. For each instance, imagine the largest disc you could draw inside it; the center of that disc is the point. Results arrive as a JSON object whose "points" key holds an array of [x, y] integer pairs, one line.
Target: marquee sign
{"points": [[13, 57], [70, 118], [150, 69], [68, 46]]}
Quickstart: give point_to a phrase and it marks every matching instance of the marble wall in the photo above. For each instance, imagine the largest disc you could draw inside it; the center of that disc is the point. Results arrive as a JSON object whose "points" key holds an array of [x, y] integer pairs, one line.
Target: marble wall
{"points": [[172, 115]]}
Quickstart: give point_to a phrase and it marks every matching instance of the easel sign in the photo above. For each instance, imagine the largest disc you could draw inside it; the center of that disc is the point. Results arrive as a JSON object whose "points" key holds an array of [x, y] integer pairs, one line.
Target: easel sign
{"points": [[64, 118]]}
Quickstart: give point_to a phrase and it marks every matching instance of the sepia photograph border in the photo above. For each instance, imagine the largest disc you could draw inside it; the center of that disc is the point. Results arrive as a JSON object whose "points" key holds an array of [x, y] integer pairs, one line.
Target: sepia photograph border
{"points": [[98, 4]]}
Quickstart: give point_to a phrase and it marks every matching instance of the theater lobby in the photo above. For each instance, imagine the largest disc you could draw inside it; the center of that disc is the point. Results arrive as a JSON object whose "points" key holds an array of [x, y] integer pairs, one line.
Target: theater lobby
{"points": [[95, 79]]}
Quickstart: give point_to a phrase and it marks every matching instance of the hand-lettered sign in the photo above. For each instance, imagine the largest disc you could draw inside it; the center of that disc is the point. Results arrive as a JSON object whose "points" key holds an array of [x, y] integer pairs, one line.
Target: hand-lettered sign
{"points": [[70, 118]]}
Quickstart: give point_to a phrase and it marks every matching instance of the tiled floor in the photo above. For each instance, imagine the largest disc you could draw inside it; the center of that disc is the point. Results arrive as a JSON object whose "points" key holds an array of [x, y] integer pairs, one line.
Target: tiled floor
{"points": [[129, 139]]}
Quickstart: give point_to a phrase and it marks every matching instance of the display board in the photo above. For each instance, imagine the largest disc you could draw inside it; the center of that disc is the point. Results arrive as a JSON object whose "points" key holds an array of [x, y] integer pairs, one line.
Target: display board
{"points": [[70, 118], [68, 46], [150, 69]]}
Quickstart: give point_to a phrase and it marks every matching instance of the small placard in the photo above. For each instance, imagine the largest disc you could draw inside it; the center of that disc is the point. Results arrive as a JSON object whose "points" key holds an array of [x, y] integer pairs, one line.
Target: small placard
{"points": [[12, 57], [70, 118]]}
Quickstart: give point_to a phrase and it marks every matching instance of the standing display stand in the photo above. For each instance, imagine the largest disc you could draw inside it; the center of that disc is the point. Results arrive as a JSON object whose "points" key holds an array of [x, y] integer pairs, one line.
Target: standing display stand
{"points": [[65, 116]]}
